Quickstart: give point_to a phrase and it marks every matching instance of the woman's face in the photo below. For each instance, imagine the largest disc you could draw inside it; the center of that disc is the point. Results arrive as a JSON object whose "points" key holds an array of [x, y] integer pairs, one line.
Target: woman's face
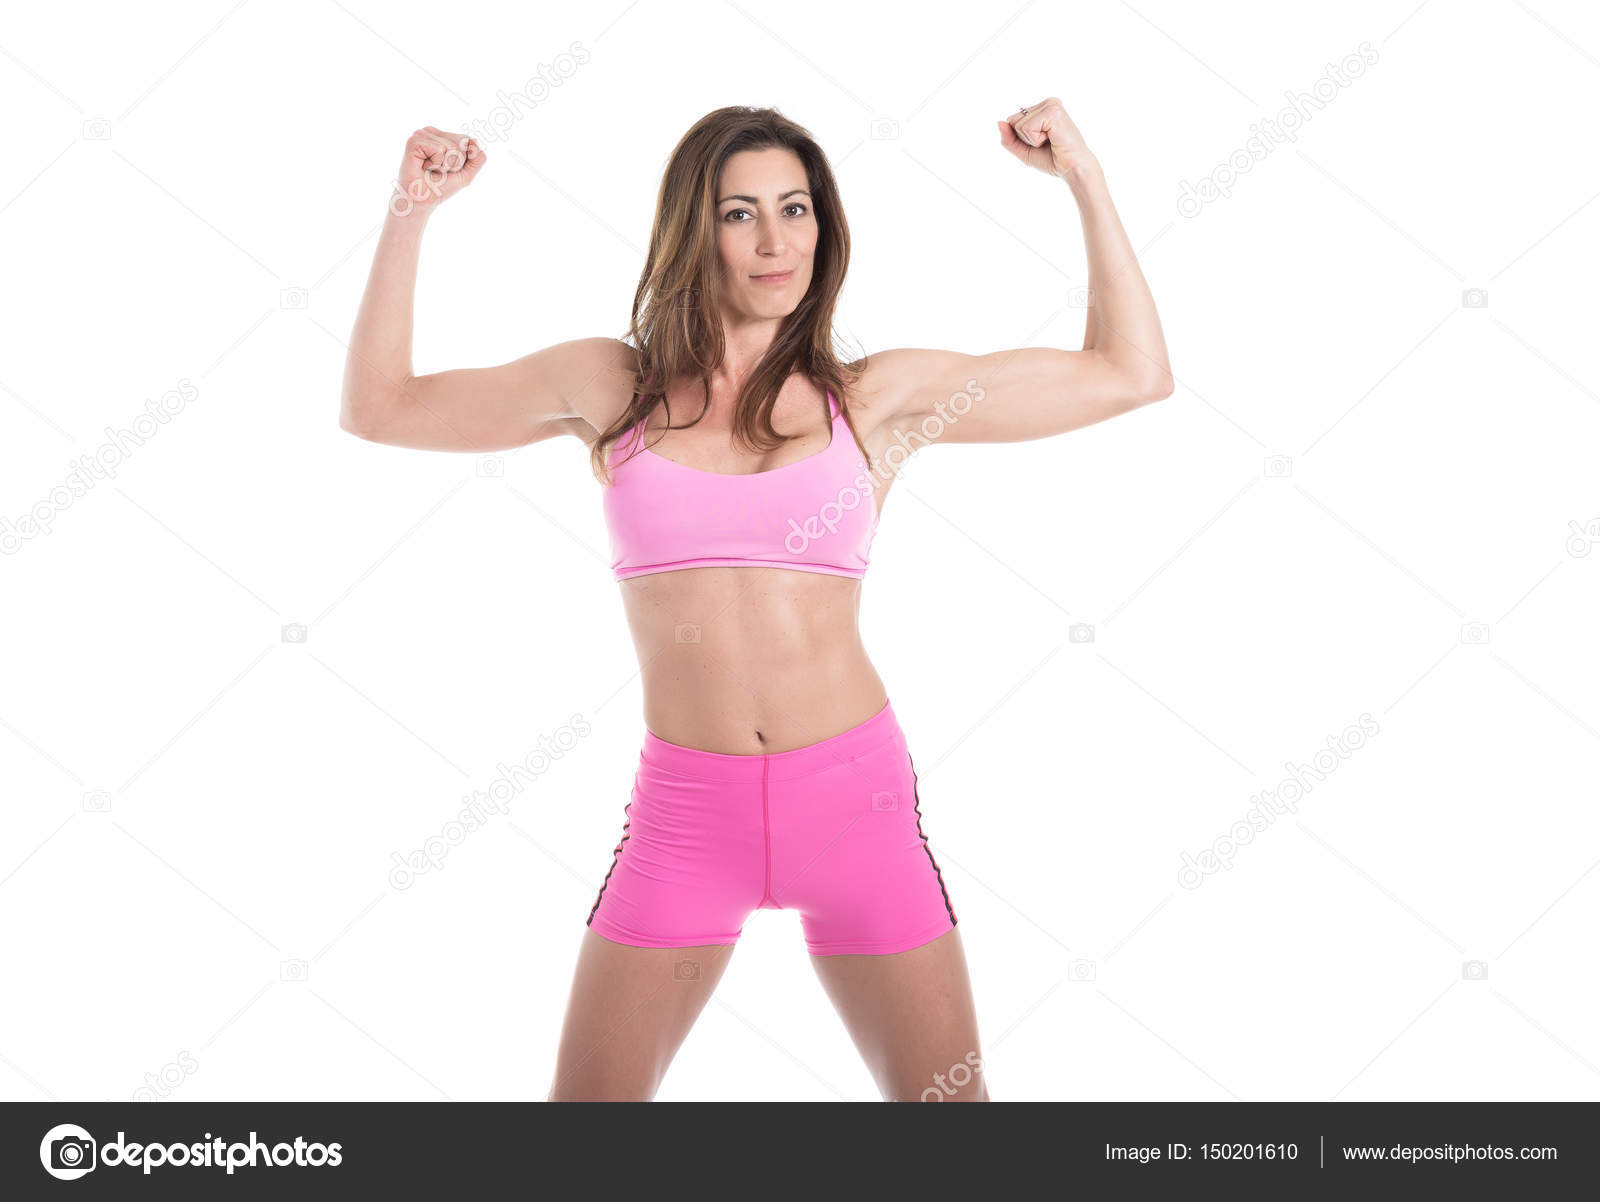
{"points": [[765, 228]]}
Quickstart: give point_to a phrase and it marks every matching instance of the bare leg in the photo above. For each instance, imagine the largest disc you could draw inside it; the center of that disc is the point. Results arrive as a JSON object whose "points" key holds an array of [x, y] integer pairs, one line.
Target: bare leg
{"points": [[629, 1011], [912, 1018]]}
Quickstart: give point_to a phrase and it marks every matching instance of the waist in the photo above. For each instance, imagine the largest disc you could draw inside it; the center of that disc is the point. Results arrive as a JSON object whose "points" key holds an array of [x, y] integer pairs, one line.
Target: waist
{"points": [[742, 660], [825, 752]]}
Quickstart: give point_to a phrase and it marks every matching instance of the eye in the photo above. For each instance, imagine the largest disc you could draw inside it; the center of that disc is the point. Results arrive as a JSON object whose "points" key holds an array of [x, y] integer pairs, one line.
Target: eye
{"points": [[793, 204]]}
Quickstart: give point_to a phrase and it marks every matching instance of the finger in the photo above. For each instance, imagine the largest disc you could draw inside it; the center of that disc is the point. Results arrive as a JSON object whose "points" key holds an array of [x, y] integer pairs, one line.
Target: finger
{"points": [[449, 137], [443, 160], [1024, 120], [427, 148], [1008, 138], [463, 156], [438, 141], [434, 136], [459, 143], [1028, 129], [1049, 117], [445, 156]]}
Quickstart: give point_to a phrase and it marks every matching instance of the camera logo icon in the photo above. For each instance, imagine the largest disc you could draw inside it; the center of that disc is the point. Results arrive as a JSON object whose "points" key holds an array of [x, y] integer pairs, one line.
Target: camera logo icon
{"points": [[1474, 970], [1277, 466], [883, 129], [97, 801], [97, 129], [67, 1152], [293, 970], [686, 970], [686, 632], [1080, 970], [1475, 298], [885, 801], [490, 466], [1583, 538], [294, 632], [293, 298], [1080, 632], [1475, 632]]}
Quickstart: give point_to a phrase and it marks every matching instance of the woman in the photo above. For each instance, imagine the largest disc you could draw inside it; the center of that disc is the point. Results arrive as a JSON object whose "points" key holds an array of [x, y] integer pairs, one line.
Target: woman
{"points": [[773, 774]]}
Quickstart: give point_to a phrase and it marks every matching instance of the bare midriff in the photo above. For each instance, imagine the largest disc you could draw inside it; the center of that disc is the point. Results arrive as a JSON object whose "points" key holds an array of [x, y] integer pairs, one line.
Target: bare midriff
{"points": [[750, 660]]}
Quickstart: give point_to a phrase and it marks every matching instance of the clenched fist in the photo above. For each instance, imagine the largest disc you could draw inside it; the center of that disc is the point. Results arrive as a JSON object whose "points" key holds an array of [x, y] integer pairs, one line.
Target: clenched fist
{"points": [[1044, 137], [436, 165]]}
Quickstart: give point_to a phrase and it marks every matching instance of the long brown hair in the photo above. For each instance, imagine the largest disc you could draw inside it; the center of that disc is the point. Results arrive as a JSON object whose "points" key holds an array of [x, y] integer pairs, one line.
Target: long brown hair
{"points": [[676, 325]]}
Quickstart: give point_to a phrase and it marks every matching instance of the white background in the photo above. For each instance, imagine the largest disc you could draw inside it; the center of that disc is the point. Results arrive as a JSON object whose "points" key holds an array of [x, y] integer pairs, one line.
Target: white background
{"points": [[246, 795]]}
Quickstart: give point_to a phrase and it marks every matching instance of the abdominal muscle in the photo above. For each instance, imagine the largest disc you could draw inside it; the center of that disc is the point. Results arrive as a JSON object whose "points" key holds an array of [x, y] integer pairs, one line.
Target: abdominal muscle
{"points": [[750, 660]]}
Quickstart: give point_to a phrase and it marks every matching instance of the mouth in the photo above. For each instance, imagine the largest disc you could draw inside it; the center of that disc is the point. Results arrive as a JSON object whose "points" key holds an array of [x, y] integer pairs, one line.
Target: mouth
{"points": [[775, 277]]}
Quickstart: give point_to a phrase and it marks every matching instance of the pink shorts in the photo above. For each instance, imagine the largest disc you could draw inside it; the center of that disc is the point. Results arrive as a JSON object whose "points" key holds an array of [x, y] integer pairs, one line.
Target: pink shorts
{"points": [[832, 830]]}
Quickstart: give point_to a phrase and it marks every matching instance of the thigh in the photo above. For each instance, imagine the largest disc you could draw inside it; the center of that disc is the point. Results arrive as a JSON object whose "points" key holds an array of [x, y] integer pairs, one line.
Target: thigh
{"points": [[629, 1012], [849, 853], [687, 871], [912, 1018]]}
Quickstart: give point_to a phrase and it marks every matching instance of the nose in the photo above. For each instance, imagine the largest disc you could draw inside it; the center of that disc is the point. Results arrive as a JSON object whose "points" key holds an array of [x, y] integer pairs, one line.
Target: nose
{"points": [[769, 240]]}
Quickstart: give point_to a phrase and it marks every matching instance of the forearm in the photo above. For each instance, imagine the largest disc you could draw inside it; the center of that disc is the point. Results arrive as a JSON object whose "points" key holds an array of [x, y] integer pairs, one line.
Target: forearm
{"points": [[1122, 324], [378, 365]]}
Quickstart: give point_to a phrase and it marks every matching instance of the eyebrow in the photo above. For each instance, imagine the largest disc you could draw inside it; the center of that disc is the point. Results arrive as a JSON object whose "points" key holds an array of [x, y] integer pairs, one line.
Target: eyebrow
{"points": [[752, 200]]}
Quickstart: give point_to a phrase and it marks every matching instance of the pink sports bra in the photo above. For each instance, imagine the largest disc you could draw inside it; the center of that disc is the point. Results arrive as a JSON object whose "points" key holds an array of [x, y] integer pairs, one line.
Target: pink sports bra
{"points": [[818, 514]]}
